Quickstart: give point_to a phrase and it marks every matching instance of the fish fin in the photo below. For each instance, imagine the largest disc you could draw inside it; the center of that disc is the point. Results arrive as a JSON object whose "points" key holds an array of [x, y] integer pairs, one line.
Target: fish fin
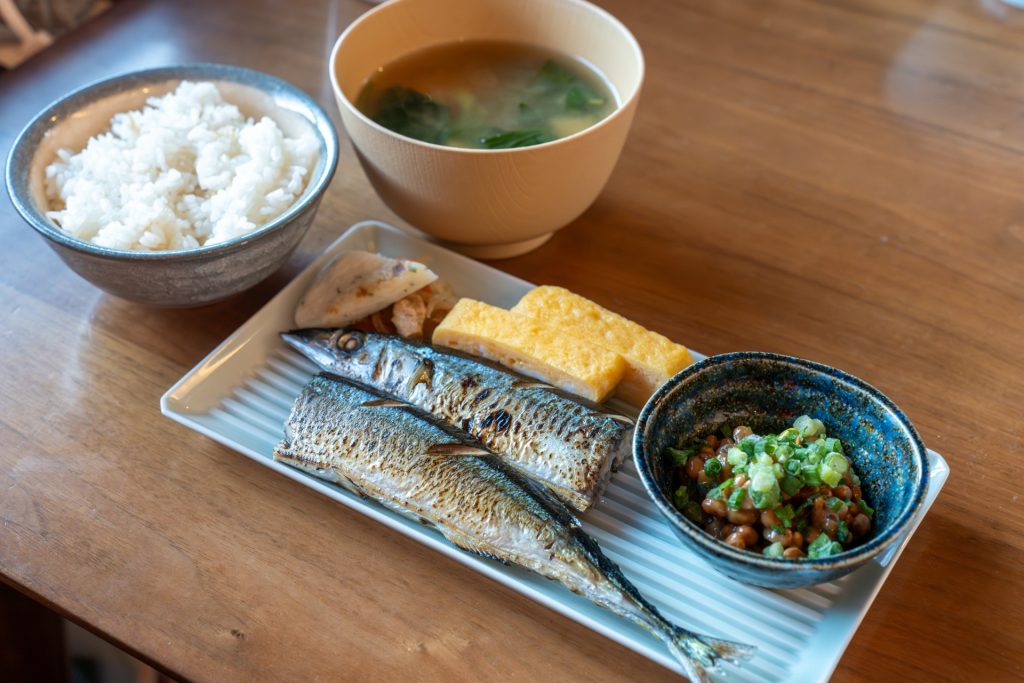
{"points": [[282, 453], [697, 654], [621, 418], [530, 384], [470, 545], [385, 403], [456, 450]]}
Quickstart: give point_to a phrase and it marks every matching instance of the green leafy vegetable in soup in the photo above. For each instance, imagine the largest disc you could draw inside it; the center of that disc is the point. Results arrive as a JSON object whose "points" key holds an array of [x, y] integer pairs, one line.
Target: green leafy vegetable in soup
{"points": [[486, 95], [788, 495]]}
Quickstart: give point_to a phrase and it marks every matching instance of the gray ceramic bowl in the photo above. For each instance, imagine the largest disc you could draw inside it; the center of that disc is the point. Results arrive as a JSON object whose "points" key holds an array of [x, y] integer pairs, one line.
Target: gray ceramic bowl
{"points": [[181, 278], [767, 392]]}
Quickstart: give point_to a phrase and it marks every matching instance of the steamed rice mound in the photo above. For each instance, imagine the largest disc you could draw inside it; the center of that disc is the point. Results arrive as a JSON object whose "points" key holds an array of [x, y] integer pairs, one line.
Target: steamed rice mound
{"points": [[187, 170]]}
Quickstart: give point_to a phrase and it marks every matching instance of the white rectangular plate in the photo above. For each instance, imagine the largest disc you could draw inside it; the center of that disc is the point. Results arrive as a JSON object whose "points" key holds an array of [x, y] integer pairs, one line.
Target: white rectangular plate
{"points": [[241, 394]]}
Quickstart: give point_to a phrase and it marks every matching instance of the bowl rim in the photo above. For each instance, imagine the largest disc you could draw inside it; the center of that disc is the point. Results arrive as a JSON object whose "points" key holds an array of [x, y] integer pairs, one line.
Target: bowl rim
{"points": [[847, 559], [624, 106], [41, 122]]}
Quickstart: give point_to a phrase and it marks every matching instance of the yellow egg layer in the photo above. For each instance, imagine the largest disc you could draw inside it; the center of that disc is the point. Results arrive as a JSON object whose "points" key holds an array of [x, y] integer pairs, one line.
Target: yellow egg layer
{"points": [[532, 348], [651, 358]]}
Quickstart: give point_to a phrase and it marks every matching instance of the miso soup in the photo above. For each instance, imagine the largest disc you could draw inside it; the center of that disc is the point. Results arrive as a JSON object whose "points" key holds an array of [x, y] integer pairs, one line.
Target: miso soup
{"points": [[486, 95]]}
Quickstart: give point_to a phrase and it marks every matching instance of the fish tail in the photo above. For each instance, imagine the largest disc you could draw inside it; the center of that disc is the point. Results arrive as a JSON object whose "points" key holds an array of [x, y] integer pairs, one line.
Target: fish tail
{"points": [[697, 654]]}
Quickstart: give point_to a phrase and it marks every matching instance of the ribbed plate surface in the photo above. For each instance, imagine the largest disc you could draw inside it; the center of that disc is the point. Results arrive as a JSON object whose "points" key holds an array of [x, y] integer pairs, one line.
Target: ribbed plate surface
{"points": [[241, 393]]}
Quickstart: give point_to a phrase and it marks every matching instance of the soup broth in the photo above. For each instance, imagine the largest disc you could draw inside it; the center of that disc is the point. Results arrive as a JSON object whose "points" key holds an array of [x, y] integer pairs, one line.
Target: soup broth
{"points": [[486, 95]]}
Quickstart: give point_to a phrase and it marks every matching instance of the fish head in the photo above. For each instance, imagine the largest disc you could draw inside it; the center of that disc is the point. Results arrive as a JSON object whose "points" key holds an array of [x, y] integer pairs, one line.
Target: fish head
{"points": [[385, 362], [344, 351]]}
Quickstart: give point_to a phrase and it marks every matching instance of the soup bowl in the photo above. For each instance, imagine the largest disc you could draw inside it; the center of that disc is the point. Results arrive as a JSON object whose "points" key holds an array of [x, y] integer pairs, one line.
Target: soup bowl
{"points": [[488, 203], [766, 391]]}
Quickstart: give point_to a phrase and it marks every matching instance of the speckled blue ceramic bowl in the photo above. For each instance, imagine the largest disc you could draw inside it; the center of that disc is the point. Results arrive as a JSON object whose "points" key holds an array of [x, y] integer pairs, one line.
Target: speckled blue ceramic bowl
{"points": [[767, 392], [191, 277]]}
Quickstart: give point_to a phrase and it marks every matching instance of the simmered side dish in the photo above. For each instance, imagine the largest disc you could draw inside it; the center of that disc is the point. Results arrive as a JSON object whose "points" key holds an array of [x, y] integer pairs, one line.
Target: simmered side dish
{"points": [[788, 495]]}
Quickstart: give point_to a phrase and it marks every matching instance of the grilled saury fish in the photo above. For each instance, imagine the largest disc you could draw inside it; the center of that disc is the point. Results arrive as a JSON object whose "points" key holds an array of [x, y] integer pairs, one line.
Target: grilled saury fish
{"points": [[569, 446], [415, 465]]}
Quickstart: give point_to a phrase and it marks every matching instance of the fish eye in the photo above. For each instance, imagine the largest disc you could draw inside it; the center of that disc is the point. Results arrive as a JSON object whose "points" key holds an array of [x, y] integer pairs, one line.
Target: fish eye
{"points": [[349, 342]]}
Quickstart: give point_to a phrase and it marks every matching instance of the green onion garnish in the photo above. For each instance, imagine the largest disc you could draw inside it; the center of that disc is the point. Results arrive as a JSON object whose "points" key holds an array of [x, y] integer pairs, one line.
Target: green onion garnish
{"points": [[681, 498], [837, 462], [736, 457], [719, 491], [829, 475], [834, 504], [823, 546], [810, 475], [842, 532], [786, 515], [712, 467], [865, 508], [774, 550], [679, 456], [736, 499], [809, 426]]}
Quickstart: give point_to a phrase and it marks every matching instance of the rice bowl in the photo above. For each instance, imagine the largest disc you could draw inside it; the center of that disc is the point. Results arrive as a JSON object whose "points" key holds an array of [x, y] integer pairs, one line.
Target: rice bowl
{"points": [[188, 170], [173, 277]]}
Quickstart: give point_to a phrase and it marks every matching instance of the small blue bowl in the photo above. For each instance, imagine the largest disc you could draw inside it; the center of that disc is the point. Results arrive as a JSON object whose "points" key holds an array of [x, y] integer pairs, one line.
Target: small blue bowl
{"points": [[767, 392], [181, 278]]}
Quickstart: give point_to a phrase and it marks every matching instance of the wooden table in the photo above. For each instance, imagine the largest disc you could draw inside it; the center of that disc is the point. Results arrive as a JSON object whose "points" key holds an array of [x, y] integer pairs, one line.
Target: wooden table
{"points": [[842, 181]]}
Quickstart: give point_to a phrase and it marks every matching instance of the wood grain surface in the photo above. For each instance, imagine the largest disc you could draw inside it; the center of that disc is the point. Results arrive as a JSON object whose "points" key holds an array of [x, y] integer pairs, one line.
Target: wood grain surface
{"points": [[842, 181]]}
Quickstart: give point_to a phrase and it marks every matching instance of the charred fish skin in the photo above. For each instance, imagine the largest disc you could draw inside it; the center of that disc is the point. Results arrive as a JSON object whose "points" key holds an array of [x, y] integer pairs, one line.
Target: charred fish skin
{"points": [[415, 465], [572, 447]]}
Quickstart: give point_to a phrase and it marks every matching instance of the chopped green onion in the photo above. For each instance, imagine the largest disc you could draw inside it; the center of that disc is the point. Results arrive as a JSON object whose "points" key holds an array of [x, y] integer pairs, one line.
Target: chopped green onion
{"points": [[809, 426], [736, 457], [749, 446], [793, 466], [774, 550], [778, 529], [786, 515], [834, 504], [713, 467], [837, 462], [842, 532], [823, 546], [764, 489], [784, 452], [719, 491], [810, 474], [764, 499], [681, 498], [801, 526], [865, 508], [790, 434], [791, 484], [680, 456], [736, 499], [829, 475], [855, 479], [833, 445]]}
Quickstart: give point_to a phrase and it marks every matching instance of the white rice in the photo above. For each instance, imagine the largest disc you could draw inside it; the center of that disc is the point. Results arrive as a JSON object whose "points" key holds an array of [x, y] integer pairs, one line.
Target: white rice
{"points": [[187, 170]]}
